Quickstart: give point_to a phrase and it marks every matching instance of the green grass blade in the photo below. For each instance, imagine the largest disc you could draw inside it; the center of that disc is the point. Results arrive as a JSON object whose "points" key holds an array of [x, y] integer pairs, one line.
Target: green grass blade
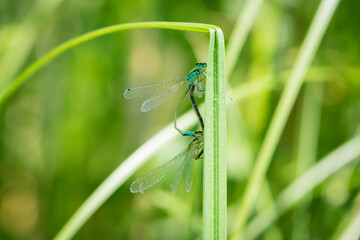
{"points": [[306, 55], [306, 152], [214, 214], [240, 32], [29, 28], [352, 230]]}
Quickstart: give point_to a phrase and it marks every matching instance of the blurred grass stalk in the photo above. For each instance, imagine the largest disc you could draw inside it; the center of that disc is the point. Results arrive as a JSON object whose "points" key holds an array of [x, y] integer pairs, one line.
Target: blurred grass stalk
{"points": [[14, 57], [352, 230], [282, 112], [240, 32], [306, 152]]}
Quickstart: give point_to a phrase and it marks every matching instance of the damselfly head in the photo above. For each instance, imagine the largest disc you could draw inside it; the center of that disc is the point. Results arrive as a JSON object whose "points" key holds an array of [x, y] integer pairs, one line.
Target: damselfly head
{"points": [[199, 134], [201, 66]]}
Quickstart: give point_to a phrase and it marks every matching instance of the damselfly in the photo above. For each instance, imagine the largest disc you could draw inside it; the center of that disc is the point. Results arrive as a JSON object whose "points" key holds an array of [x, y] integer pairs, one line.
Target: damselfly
{"points": [[175, 168], [157, 93]]}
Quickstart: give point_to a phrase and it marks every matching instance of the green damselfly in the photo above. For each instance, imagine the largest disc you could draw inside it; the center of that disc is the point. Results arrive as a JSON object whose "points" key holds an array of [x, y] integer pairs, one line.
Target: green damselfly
{"points": [[175, 168], [159, 92]]}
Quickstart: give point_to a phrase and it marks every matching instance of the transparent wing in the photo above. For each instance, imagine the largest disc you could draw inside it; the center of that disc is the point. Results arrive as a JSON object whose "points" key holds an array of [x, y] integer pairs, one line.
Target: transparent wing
{"points": [[151, 89], [178, 176], [158, 174], [188, 163], [156, 100]]}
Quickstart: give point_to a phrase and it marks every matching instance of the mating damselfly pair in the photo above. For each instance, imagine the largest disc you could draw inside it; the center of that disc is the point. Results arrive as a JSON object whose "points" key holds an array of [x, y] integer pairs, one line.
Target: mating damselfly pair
{"points": [[156, 94]]}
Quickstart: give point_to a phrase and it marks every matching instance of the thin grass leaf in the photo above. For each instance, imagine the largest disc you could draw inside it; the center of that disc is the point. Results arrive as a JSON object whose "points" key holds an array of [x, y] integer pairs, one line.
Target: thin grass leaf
{"points": [[307, 145], [352, 230], [15, 56], [214, 214], [241, 30]]}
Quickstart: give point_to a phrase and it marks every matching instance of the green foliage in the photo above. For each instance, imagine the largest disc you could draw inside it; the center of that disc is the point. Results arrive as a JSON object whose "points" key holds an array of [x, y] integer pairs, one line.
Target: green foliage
{"points": [[70, 144]]}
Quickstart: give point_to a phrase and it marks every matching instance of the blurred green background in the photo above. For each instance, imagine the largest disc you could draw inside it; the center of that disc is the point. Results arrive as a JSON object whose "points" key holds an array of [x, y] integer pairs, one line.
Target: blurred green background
{"points": [[67, 128]]}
